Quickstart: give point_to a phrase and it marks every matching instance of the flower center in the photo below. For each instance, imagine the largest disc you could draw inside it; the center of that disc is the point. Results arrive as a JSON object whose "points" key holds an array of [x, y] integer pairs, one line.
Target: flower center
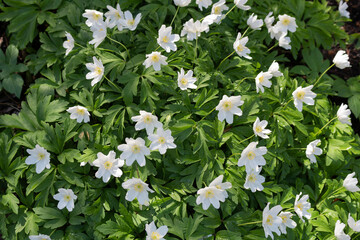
{"points": [[217, 10], [300, 95], [165, 39], [41, 156], [284, 219], [80, 111], [108, 165], [155, 58], [251, 155], [209, 194], [67, 198], [227, 105], [252, 178], [96, 16], [135, 149], [147, 119], [258, 129], [300, 206], [131, 22], [138, 187], [161, 140], [117, 15], [98, 70], [269, 220], [155, 236], [184, 81], [285, 22], [240, 48], [43, 239], [218, 186], [261, 79]]}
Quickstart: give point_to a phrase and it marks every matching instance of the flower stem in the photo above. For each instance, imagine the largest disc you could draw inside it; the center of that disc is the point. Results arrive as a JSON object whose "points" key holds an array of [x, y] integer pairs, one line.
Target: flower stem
{"points": [[243, 224], [323, 74], [230, 10], [326, 125], [177, 10], [242, 80], [246, 139], [119, 90], [287, 103], [224, 60], [277, 43], [331, 194], [195, 50], [208, 114], [79, 45], [127, 51]]}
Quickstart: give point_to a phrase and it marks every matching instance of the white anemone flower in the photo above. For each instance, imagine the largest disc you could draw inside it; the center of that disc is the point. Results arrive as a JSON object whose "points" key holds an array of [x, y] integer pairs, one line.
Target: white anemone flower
{"points": [[269, 20], [254, 180], [259, 128], [286, 221], [167, 40], [137, 189], [343, 114], [187, 80], [305, 95], [350, 183], [79, 113], [154, 233], [341, 60], [182, 3], [254, 23], [114, 15], [40, 157], [240, 48], [203, 4], [129, 22], [217, 182], [108, 165], [217, 10], [146, 120], [228, 106], [286, 23], [161, 140], [92, 16], [312, 150], [274, 69], [193, 30], [262, 80], [210, 195], [39, 237], [339, 231], [155, 59], [66, 198], [241, 4], [301, 206], [284, 41], [355, 226], [342, 9], [271, 221], [69, 43], [99, 33], [96, 71], [134, 149], [252, 157]]}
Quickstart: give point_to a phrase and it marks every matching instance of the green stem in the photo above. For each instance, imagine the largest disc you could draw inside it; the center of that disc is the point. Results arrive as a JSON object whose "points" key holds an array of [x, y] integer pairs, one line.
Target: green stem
{"points": [[277, 43], [243, 35], [205, 116], [326, 125], [157, 48], [242, 80], [127, 51], [246, 139], [323, 74], [296, 149], [225, 59], [177, 10], [230, 10], [119, 90], [249, 223], [79, 45], [195, 50], [287, 103]]}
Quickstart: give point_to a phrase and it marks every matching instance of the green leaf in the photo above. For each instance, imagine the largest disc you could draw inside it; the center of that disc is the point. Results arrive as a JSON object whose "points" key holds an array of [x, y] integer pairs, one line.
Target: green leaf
{"points": [[12, 201], [13, 84], [52, 217]]}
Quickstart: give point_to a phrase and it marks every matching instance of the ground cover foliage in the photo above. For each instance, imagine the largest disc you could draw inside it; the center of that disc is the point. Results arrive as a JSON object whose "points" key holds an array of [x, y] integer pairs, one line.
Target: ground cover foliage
{"points": [[205, 146]]}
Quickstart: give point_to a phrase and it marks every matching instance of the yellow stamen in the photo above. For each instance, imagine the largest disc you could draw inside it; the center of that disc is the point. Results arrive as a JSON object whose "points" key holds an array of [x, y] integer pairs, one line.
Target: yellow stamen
{"points": [[284, 219], [131, 22], [285, 22], [117, 15], [138, 187], [261, 79], [209, 194], [183, 81], [155, 236], [155, 58], [161, 140], [67, 198], [98, 70], [300, 206], [217, 10], [252, 178], [80, 111], [269, 220], [108, 165], [258, 129], [227, 105], [96, 16], [165, 39], [135, 149], [41, 156], [251, 155], [240, 48], [147, 119], [300, 95]]}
